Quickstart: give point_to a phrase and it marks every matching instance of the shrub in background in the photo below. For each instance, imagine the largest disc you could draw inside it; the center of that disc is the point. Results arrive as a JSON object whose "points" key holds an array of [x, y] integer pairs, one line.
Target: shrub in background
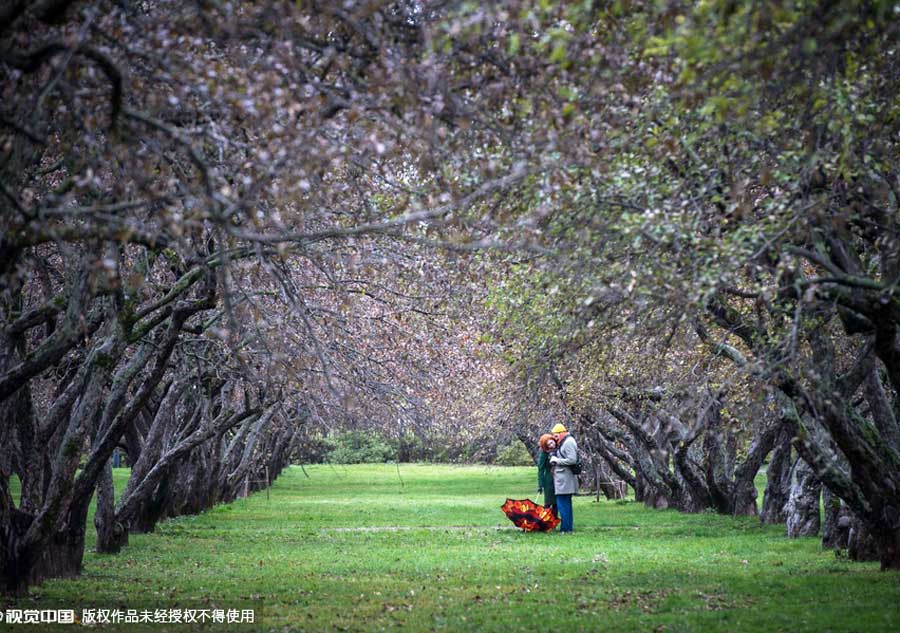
{"points": [[312, 449], [514, 454], [411, 448], [358, 447]]}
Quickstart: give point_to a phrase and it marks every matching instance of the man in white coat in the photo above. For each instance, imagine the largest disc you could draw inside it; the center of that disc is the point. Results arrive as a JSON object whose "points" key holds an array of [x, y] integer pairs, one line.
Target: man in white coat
{"points": [[564, 480]]}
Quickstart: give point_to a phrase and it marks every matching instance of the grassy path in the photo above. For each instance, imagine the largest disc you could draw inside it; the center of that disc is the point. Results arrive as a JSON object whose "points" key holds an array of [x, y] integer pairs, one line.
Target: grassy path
{"points": [[360, 549]]}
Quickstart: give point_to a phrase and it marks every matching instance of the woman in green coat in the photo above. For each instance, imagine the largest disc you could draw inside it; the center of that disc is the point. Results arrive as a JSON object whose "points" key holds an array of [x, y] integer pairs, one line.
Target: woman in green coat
{"points": [[545, 471]]}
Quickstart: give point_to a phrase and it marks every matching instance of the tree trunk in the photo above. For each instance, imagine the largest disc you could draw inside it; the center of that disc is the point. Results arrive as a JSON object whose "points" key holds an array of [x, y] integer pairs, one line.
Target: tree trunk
{"points": [[718, 467], [619, 462], [652, 451], [890, 550], [802, 509], [60, 556], [13, 571], [640, 489], [152, 510], [743, 491], [777, 482], [693, 482], [604, 480], [111, 534], [835, 528], [861, 544], [528, 441], [743, 499]]}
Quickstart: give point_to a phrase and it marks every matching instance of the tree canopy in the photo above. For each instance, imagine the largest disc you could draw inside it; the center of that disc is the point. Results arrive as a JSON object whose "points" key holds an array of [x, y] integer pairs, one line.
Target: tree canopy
{"points": [[229, 225]]}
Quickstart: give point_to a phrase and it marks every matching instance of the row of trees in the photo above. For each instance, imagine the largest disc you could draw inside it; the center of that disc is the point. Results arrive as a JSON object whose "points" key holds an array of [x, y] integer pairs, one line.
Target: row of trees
{"points": [[722, 284], [224, 224], [204, 255]]}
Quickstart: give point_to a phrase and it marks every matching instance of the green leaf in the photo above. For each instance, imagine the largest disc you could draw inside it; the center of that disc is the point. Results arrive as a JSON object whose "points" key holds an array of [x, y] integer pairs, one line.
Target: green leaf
{"points": [[514, 44], [559, 52]]}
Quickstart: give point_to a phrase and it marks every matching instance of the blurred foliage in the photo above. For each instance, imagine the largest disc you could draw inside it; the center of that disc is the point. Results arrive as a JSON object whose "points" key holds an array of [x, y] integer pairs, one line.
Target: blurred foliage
{"points": [[514, 454], [358, 447]]}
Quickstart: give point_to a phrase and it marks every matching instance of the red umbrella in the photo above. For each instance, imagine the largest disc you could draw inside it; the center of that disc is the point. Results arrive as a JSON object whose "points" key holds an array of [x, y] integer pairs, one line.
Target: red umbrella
{"points": [[529, 516]]}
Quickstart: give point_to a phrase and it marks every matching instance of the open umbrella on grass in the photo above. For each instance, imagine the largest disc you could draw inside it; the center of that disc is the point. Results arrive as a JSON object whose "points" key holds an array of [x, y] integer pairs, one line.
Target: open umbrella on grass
{"points": [[529, 516]]}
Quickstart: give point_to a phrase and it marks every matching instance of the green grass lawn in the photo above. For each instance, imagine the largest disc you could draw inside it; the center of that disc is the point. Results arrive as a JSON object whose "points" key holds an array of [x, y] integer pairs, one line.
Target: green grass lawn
{"points": [[322, 554]]}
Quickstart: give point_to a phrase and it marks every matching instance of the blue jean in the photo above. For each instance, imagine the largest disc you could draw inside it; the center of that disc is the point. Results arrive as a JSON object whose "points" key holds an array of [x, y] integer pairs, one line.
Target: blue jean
{"points": [[564, 505]]}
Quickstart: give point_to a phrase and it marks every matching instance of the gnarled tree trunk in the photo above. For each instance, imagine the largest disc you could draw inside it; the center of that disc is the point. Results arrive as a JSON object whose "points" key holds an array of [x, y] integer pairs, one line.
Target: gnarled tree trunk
{"points": [[835, 529], [778, 482], [111, 534], [861, 544], [802, 509]]}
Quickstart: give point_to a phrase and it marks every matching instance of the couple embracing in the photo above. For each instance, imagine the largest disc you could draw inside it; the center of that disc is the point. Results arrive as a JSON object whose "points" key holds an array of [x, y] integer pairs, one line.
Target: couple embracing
{"points": [[556, 479]]}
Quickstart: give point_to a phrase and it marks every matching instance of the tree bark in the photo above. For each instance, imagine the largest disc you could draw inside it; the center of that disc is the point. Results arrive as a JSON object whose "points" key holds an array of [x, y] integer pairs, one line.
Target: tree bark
{"points": [[111, 534], [145, 487], [836, 526], [863, 546], [802, 510], [743, 491], [778, 482]]}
